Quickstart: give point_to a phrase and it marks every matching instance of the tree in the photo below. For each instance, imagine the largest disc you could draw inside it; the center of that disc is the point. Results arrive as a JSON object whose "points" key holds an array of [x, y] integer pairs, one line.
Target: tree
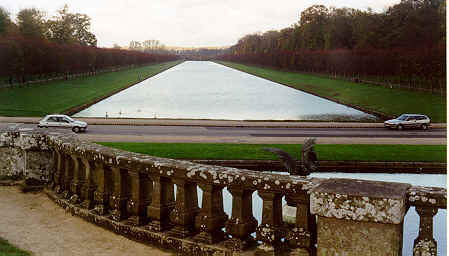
{"points": [[31, 23], [313, 22], [5, 21], [71, 28]]}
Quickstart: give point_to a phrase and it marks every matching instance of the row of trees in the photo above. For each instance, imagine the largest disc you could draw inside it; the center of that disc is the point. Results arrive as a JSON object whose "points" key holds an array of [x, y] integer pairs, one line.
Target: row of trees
{"points": [[65, 27], [405, 44], [33, 48]]}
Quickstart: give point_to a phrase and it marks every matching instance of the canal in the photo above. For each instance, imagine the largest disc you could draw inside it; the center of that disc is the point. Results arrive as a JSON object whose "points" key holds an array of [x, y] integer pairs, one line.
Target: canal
{"points": [[207, 90]]}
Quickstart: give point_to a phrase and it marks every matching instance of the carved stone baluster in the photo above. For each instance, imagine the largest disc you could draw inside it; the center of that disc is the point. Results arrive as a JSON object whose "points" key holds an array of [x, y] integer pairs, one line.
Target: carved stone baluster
{"points": [[242, 222], [183, 216], [78, 178], [59, 173], [88, 188], [68, 176], [303, 236], [212, 217], [162, 203], [140, 196], [101, 194], [120, 194], [272, 228], [425, 244]]}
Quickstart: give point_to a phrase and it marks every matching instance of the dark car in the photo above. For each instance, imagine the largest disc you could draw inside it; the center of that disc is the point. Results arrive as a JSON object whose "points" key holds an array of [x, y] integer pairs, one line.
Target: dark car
{"points": [[409, 121]]}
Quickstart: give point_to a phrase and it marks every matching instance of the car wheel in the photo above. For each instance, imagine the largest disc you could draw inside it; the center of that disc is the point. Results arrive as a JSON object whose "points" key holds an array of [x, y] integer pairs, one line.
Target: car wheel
{"points": [[400, 127], [76, 129], [424, 126]]}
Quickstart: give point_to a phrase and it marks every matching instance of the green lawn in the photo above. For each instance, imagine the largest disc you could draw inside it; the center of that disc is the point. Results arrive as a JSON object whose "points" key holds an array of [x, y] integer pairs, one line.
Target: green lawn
{"points": [[224, 151], [7, 249], [60, 96], [391, 102]]}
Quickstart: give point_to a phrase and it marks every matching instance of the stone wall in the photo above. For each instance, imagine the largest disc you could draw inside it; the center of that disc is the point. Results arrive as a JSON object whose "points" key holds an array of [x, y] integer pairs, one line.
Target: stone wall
{"points": [[25, 154]]}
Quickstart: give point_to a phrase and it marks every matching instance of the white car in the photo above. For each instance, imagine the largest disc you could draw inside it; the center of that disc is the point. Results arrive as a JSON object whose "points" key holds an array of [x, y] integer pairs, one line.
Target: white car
{"points": [[62, 121], [409, 121]]}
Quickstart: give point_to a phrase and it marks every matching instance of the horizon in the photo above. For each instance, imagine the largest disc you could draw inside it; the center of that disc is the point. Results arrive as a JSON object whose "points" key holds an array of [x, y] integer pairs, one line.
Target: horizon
{"points": [[196, 24]]}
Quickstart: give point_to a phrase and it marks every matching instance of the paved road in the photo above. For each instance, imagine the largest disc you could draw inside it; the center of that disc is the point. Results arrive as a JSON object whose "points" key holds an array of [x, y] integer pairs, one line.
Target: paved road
{"points": [[164, 133]]}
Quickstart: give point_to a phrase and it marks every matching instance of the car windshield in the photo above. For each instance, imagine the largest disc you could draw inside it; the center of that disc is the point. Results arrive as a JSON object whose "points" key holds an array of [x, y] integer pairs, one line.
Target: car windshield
{"points": [[70, 119], [402, 117]]}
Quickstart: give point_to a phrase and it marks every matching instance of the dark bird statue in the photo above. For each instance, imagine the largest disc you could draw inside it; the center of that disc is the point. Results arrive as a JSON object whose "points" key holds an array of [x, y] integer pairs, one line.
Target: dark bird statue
{"points": [[309, 159]]}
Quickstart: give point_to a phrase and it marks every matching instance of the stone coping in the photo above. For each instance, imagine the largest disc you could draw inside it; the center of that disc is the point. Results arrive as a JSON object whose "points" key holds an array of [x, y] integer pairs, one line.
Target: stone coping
{"points": [[360, 200]]}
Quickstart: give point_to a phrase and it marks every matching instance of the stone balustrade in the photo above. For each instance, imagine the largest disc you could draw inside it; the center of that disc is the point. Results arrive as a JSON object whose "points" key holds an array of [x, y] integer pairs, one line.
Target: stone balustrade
{"points": [[155, 200]]}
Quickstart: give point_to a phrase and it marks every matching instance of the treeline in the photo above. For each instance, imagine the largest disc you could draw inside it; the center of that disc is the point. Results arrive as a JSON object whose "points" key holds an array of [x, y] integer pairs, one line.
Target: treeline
{"points": [[35, 48], [404, 45]]}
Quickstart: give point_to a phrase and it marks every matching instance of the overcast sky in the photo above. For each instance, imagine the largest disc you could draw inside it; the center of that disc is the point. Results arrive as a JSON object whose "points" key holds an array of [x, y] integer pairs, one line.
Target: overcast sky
{"points": [[188, 23]]}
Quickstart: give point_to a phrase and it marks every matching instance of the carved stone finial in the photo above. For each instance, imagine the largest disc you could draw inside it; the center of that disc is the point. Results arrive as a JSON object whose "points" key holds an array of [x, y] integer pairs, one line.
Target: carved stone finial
{"points": [[309, 157]]}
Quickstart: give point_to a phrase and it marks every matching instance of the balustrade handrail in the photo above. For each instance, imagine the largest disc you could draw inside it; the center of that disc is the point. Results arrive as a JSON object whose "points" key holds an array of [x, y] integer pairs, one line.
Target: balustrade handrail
{"points": [[139, 188]]}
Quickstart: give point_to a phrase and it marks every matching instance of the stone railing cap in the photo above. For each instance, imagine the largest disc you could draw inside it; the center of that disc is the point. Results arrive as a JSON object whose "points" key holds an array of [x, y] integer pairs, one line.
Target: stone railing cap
{"points": [[363, 188], [360, 200]]}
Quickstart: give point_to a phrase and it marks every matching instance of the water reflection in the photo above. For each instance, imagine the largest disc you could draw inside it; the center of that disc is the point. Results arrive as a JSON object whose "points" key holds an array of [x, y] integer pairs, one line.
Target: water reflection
{"points": [[206, 90]]}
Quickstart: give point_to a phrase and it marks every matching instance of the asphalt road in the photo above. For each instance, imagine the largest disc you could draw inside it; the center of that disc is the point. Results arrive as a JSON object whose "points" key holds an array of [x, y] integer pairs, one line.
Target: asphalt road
{"points": [[258, 134]]}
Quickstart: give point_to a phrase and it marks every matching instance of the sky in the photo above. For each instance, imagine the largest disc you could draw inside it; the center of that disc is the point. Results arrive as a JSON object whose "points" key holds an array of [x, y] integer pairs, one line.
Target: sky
{"points": [[186, 23]]}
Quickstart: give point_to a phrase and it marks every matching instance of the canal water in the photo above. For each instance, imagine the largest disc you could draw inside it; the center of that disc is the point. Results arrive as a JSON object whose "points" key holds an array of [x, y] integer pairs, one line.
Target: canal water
{"points": [[207, 90], [411, 221]]}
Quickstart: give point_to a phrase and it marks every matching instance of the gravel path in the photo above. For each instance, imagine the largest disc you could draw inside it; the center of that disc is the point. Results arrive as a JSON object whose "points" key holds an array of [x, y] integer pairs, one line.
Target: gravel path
{"points": [[34, 223]]}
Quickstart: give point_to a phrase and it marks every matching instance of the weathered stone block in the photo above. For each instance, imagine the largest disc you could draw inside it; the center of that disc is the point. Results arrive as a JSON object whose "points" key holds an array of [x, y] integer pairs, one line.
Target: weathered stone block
{"points": [[346, 237], [357, 217], [12, 162]]}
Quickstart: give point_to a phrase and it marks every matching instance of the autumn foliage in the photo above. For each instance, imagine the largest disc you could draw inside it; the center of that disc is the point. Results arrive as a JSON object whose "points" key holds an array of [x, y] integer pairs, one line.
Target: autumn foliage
{"points": [[35, 48], [403, 46]]}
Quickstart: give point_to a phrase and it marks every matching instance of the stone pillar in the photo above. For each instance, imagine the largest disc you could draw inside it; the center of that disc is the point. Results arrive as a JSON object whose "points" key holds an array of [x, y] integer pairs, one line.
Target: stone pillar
{"points": [[58, 176], [68, 176], [140, 196], [162, 203], [212, 217], [186, 208], [242, 222], [272, 228], [119, 195], [101, 194], [357, 217], [302, 237], [88, 188], [425, 244], [77, 182]]}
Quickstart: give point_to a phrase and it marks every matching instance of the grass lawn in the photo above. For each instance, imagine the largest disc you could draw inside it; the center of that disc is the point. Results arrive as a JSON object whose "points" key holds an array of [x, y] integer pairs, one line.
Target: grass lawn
{"points": [[60, 96], [7, 249], [225, 151], [391, 102]]}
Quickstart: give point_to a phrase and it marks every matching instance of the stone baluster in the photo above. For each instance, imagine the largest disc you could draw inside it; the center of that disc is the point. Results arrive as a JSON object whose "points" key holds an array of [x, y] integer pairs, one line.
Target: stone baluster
{"points": [[272, 228], [242, 222], [186, 208], [88, 188], [101, 194], [68, 176], [140, 196], [119, 195], [425, 244], [59, 173], [302, 237], [162, 203], [78, 180], [211, 218]]}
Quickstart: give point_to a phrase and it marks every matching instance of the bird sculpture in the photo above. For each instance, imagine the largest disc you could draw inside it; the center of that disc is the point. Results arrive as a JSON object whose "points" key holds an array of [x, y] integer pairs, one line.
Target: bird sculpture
{"points": [[309, 159]]}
